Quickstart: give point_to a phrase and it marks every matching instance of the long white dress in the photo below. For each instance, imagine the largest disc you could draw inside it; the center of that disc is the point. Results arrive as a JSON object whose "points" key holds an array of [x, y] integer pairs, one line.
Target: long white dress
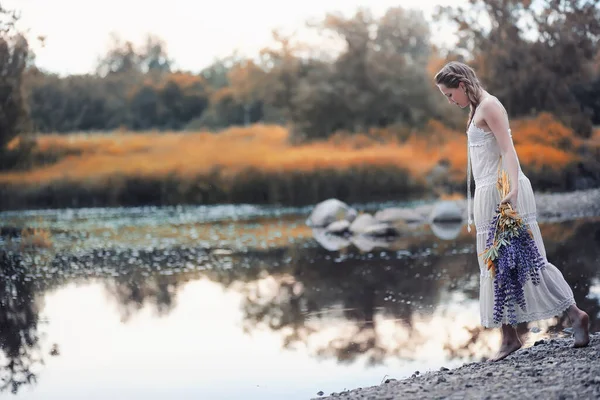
{"points": [[553, 295]]}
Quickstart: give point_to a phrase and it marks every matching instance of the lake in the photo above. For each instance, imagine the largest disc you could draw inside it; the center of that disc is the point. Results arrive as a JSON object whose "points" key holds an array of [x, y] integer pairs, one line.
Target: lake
{"points": [[246, 302]]}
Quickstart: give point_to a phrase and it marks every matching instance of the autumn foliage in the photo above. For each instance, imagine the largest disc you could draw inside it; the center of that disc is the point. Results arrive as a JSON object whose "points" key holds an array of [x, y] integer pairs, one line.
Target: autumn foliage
{"points": [[295, 123], [258, 164], [97, 157]]}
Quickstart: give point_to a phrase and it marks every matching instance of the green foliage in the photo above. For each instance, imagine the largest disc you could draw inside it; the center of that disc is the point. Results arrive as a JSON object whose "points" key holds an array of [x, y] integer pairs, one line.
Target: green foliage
{"points": [[123, 57], [378, 74], [379, 78], [535, 55], [14, 55]]}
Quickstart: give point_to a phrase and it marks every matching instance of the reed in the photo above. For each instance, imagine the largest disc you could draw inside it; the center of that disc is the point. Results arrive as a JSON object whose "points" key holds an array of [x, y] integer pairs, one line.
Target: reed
{"points": [[259, 164]]}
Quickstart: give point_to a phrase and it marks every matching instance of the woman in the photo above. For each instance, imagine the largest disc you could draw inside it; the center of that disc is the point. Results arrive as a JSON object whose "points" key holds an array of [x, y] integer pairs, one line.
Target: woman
{"points": [[490, 142]]}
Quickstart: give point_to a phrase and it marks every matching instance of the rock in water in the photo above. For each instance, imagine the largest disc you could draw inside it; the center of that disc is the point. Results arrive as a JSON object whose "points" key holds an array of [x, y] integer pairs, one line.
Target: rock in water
{"points": [[446, 230], [446, 211], [362, 223], [338, 227], [329, 211], [328, 240], [397, 214], [381, 230]]}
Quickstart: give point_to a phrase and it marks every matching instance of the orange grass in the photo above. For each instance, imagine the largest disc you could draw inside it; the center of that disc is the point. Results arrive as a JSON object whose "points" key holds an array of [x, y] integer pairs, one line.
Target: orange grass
{"points": [[95, 158], [538, 155]]}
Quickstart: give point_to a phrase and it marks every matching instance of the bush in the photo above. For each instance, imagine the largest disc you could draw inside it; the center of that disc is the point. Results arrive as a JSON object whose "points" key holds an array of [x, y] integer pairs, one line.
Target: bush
{"points": [[14, 53]]}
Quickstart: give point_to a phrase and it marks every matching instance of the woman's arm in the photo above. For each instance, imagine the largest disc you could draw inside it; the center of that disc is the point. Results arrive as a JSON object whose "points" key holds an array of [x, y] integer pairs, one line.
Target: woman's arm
{"points": [[496, 119]]}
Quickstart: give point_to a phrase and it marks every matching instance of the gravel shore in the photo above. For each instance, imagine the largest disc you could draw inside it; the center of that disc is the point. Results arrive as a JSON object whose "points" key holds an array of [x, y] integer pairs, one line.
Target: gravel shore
{"points": [[551, 369]]}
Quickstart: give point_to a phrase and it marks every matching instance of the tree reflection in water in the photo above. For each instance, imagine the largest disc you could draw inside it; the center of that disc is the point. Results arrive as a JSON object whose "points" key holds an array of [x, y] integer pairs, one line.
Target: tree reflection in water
{"points": [[346, 304], [351, 294], [306, 299], [19, 317], [134, 291]]}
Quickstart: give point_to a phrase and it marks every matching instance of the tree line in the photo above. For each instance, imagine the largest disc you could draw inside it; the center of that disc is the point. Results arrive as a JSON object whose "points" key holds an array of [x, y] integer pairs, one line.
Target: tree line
{"points": [[535, 55]]}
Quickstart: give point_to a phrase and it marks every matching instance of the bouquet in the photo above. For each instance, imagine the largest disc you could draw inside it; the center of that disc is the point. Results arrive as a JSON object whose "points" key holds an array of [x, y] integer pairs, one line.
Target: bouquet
{"points": [[512, 257]]}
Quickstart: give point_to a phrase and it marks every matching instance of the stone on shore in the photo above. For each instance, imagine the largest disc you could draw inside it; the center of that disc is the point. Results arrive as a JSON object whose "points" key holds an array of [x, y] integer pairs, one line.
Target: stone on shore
{"points": [[552, 369]]}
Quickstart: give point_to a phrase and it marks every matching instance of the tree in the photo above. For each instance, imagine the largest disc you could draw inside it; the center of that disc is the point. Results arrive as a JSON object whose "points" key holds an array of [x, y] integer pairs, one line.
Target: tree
{"points": [[124, 57], [284, 67], [246, 80], [216, 74], [531, 54], [154, 56], [378, 79], [588, 93], [14, 52], [121, 57], [184, 97], [401, 52]]}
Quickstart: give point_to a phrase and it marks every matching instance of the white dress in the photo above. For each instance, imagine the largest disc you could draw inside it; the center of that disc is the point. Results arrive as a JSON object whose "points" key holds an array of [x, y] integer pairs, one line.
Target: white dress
{"points": [[553, 295]]}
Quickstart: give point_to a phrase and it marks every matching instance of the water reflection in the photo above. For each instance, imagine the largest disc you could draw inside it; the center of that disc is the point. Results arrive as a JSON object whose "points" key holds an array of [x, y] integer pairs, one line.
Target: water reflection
{"points": [[19, 318], [414, 298], [362, 299], [134, 291], [446, 230]]}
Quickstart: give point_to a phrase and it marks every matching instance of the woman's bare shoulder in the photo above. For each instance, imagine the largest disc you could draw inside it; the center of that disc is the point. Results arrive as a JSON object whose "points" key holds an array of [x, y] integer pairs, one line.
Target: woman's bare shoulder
{"points": [[495, 117], [492, 107], [490, 103]]}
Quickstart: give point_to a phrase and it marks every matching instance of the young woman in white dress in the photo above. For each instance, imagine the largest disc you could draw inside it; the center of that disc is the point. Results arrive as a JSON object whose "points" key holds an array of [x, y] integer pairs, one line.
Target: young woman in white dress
{"points": [[489, 141]]}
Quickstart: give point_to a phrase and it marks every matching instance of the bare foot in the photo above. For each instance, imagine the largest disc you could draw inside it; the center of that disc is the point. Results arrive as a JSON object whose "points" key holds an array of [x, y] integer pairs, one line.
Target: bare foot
{"points": [[507, 348], [581, 330]]}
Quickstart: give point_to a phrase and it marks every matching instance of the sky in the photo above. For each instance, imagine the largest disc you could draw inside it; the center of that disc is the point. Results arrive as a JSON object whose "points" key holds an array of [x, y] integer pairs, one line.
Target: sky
{"points": [[196, 32]]}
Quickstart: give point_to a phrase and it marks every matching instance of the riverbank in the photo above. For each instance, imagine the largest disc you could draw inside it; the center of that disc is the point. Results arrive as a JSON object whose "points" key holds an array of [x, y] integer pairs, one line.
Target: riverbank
{"points": [[260, 164], [551, 369]]}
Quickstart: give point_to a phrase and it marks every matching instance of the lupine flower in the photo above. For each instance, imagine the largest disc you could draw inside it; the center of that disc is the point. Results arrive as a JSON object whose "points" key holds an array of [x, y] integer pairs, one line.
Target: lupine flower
{"points": [[512, 257]]}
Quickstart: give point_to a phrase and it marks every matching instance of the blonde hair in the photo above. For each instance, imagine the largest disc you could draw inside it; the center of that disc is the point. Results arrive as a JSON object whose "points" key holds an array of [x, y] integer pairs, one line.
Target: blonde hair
{"points": [[455, 72]]}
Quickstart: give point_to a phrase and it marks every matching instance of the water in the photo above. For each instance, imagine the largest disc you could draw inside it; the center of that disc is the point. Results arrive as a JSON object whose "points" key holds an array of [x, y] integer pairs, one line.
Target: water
{"points": [[246, 302]]}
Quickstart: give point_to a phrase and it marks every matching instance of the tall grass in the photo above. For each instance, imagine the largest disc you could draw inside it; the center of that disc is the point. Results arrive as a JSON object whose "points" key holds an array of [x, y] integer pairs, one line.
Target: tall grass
{"points": [[258, 164]]}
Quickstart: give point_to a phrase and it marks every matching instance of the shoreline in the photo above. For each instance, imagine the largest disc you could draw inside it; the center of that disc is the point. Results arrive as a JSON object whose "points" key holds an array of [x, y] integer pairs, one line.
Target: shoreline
{"points": [[552, 206], [549, 369]]}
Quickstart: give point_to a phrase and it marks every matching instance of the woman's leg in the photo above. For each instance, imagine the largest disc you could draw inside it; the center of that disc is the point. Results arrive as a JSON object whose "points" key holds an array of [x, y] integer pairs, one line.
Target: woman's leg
{"points": [[579, 321], [510, 342]]}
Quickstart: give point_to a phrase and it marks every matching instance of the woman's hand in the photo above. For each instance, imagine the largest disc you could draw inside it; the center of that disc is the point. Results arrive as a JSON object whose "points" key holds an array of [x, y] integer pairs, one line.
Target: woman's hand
{"points": [[511, 198]]}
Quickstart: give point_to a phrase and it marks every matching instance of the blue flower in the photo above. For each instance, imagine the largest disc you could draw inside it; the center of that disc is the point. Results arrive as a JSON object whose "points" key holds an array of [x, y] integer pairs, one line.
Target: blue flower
{"points": [[513, 258]]}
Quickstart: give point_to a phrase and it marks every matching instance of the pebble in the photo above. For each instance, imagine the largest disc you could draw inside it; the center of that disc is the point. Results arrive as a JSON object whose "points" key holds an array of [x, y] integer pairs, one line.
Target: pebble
{"points": [[543, 371]]}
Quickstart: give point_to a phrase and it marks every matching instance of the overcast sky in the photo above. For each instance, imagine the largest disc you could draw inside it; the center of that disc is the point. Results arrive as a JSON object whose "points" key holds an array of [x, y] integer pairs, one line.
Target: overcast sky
{"points": [[196, 32]]}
